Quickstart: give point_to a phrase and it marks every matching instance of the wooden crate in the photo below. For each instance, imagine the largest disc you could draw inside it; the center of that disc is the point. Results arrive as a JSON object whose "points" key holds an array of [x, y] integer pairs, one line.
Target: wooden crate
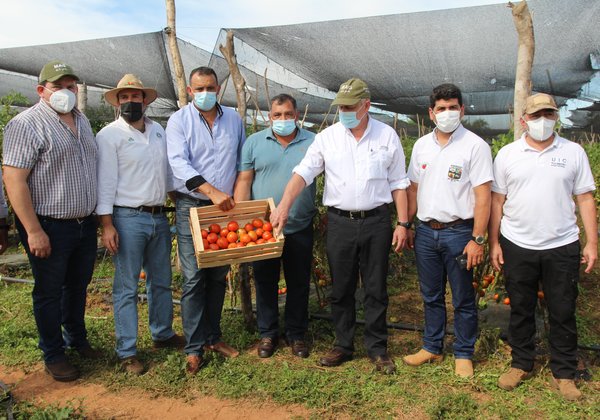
{"points": [[243, 212]]}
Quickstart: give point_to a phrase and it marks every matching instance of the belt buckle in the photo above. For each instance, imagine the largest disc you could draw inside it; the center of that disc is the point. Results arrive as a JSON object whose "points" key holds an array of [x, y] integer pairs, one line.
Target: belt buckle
{"points": [[436, 225], [350, 215]]}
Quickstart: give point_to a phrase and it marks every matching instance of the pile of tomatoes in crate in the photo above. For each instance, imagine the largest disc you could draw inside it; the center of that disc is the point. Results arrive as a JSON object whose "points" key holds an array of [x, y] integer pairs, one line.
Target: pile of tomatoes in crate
{"points": [[235, 236]]}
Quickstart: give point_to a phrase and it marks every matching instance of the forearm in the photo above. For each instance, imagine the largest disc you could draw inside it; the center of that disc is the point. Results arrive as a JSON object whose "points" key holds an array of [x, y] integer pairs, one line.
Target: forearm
{"points": [[495, 218], [400, 201], [20, 198], [207, 189], [242, 191], [411, 196], [105, 220], [481, 215], [294, 187], [587, 210]]}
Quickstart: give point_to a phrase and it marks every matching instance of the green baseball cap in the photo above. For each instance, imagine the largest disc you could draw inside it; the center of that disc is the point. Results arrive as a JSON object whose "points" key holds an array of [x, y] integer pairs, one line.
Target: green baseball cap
{"points": [[351, 92], [54, 70]]}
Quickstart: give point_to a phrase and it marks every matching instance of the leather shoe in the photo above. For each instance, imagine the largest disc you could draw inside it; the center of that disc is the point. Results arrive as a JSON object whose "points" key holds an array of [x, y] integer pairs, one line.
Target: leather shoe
{"points": [[384, 364], [193, 363], [223, 348], [266, 347], [335, 357], [88, 352], [132, 365], [176, 342], [299, 348], [62, 371]]}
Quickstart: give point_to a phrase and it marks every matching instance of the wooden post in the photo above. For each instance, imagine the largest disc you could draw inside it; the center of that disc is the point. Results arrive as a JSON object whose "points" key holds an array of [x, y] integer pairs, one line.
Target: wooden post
{"points": [[175, 56], [228, 52], [524, 27]]}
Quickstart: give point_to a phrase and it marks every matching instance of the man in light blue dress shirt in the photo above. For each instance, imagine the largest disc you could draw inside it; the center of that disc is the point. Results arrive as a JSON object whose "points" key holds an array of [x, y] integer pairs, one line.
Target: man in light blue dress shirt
{"points": [[204, 142]]}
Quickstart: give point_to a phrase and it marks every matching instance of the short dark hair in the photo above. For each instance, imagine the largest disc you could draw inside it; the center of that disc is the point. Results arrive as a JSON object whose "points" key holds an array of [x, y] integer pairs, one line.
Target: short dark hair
{"points": [[282, 98], [203, 71], [445, 91]]}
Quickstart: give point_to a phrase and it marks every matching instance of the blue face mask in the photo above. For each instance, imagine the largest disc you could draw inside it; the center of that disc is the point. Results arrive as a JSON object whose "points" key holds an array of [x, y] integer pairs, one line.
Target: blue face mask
{"points": [[349, 120], [205, 100], [284, 127]]}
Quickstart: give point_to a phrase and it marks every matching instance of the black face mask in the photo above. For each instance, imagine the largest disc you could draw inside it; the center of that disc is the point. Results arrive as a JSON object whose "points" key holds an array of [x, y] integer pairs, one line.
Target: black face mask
{"points": [[132, 111]]}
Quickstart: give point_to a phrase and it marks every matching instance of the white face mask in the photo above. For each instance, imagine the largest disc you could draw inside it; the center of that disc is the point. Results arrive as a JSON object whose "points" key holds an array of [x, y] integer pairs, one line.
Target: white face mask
{"points": [[447, 121], [62, 101], [540, 129]]}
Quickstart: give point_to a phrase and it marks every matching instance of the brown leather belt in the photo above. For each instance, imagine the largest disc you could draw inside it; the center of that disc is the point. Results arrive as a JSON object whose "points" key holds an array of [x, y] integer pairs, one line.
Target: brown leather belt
{"points": [[435, 225]]}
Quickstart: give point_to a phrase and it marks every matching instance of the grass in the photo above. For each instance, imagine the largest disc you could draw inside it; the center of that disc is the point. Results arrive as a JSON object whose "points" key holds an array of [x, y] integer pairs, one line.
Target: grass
{"points": [[353, 389]]}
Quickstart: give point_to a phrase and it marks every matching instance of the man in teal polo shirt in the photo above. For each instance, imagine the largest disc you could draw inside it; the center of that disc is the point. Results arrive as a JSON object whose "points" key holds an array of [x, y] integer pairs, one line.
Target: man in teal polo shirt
{"points": [[268, 158]]}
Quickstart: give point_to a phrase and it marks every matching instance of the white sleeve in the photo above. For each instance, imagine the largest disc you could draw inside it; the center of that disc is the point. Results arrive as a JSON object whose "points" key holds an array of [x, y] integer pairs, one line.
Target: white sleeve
{"points": [[108, 172], [584, 180], [313, 163], [499, 184]]}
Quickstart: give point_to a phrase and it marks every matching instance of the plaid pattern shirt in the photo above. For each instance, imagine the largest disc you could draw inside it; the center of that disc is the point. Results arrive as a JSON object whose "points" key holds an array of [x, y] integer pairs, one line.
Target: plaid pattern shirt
{"points": [[62, 180]]}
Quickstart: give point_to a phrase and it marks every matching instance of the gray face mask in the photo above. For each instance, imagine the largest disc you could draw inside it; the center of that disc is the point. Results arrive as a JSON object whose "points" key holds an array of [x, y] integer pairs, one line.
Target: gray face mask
{"points": [[132, 111], [62, 101]]}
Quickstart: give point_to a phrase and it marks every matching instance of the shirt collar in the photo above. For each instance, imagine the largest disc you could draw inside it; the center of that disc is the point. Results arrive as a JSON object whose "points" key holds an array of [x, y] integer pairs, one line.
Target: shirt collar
{"points": [[455, 136], [524, 146], [300, 135]]}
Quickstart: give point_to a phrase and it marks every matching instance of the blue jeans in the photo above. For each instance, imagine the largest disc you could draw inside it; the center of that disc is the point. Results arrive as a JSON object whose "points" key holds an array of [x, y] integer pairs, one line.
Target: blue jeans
{"points": [[203, 289], [296, 259], [436, 252], [144, 241], [61, 280]]}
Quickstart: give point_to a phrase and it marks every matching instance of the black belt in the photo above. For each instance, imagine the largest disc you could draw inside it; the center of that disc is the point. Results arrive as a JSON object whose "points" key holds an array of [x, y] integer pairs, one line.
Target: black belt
{"points": [[148, 209], [358, 214], [199, 201], [78, 220], [435, 225]]}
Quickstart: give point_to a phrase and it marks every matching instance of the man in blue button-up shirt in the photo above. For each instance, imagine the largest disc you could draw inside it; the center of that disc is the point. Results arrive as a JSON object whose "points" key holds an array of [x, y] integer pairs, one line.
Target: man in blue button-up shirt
{"points": [[204, 141], [268, 158]]}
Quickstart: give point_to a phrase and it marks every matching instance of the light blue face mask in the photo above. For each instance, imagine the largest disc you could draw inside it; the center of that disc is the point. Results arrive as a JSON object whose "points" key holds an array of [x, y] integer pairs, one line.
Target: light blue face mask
{"points": [[205, 100], [284, 127], [349, 120]]}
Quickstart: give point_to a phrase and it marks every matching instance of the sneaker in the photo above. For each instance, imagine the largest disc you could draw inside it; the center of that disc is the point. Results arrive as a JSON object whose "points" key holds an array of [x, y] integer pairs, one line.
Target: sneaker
{"points": [[176, 342], [421, 357], [463, 368], [62, 371], [132, 365], [567, 388], [511, 379]]}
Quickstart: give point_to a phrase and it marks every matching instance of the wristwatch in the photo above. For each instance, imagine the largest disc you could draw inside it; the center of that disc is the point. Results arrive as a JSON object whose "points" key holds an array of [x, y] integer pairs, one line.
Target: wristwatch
{"points": [[406, 225], [479, 240]]}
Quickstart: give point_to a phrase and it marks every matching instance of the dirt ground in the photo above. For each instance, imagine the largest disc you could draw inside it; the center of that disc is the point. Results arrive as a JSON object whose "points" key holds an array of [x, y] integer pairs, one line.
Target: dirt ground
{"points": [[99, 403]]}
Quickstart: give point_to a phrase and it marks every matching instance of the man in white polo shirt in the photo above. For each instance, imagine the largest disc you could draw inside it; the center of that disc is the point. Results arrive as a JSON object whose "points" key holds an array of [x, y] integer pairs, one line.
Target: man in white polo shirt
{"points": [[363, 163], [450, 172], [133, 179], [534, 237]]}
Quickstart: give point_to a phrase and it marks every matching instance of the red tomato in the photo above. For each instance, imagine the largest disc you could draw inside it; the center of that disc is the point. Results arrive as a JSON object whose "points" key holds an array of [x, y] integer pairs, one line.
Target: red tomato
{"points": [[249, 227], [252, 234], [205, 243], [214, 228], [245, 239], [271, 240], [232, 226], [257, 223], [223, 243], [267, 235], [224, 233], [232, 245], [214, 247], [232, 237], [204, 233], [212, 238], [260, 241], [267, 226]]}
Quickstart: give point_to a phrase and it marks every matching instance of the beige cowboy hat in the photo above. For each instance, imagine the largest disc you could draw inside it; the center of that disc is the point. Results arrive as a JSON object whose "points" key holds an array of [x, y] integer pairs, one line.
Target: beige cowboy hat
{"points": [[130, 81]]}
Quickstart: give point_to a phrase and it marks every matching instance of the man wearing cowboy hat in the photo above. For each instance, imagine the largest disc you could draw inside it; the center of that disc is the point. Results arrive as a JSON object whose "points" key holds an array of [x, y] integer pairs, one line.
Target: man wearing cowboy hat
{"points": [[50, 177], [133, 181]]}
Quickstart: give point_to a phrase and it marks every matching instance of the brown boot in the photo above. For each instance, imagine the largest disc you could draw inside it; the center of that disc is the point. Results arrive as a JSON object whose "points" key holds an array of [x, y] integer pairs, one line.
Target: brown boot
{"points": [[335, 357], [132, 365], [567, 388], [421, 357], [62, 371], [511, 379], [194, 363], [463, 368]]}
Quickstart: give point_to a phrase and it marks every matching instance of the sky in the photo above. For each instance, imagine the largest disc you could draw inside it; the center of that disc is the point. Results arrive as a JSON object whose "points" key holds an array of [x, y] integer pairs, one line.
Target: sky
{"points": [[34, 22]]}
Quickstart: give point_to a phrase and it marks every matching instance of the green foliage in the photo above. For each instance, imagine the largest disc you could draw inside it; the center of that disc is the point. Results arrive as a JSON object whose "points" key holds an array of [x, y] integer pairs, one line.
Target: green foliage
{"points": [[458, 405], [100, 116], [70, 410], [501, 141]]}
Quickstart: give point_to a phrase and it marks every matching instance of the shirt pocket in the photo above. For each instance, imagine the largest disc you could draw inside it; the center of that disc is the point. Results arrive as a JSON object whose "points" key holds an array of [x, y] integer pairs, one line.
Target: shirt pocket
{"points": [[378, 163]]}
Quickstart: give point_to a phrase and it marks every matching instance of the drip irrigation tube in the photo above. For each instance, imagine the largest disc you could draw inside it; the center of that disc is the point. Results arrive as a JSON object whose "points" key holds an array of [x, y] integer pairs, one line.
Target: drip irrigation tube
{"points": [[325, 317]]}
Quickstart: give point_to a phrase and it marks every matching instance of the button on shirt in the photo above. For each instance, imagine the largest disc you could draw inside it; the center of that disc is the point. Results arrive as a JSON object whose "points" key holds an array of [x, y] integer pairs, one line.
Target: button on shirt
{"points": [[272, 164], [447, 174], [62, 180], [194, 149], [133, 169], [359, 175], [539, 211]]}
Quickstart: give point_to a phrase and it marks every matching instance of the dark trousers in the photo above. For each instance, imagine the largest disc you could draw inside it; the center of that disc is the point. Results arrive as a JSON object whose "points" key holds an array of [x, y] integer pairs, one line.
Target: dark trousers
{"points": [[61, 280], [558, 271], [296, 259], [353, 246]]}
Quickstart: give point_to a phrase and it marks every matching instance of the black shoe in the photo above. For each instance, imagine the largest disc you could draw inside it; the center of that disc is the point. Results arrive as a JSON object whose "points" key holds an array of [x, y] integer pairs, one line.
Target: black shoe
{"points": [[335, 357], [88, 352], [384, 364], [299, 348], [266, 347], [176, 342], [62, 371]]}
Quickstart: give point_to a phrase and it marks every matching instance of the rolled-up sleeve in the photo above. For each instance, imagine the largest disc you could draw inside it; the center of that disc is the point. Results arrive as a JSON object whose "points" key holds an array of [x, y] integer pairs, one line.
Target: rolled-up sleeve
{"points": [[313, 163], [397, 173]]}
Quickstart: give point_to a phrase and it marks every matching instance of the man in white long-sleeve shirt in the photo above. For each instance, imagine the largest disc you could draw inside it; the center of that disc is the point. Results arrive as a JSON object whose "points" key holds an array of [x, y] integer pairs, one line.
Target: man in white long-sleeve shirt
{"points": [[133, 177]]}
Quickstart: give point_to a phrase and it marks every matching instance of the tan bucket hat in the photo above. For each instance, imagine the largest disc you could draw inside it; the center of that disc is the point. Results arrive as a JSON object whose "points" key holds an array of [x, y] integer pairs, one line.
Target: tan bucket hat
{"points": [[130, 81]]}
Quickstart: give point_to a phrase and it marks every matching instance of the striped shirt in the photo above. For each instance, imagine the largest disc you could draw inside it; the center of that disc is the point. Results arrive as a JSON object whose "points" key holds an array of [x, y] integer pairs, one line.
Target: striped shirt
{"points": [[62, 180]]}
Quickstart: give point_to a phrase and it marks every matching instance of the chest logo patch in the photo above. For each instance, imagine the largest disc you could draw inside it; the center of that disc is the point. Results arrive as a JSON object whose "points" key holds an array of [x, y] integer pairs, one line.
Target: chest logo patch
{"points": [[557, 162], [159, 135], [454, 172], [130, 140], [424, 166]]}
